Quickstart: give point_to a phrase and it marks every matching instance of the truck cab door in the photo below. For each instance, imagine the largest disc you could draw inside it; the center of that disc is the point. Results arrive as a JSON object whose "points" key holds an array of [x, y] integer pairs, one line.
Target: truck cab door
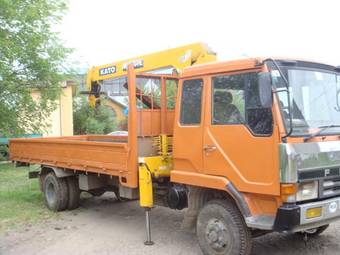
{"points": [[239, 141], [188, 129]]}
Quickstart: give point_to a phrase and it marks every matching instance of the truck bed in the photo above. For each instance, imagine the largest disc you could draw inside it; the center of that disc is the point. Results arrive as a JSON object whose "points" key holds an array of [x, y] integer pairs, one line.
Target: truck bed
{"points": [[97, 154]]}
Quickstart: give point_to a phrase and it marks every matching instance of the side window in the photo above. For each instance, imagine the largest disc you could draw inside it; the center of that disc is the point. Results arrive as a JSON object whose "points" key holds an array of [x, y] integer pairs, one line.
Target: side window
{"points": [[228, 102], [191, 102], [236, 101]]}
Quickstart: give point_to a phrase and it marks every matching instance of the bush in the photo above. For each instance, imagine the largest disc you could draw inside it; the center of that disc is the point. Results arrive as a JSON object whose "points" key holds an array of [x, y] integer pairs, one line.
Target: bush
{"points": [[3, 152]]}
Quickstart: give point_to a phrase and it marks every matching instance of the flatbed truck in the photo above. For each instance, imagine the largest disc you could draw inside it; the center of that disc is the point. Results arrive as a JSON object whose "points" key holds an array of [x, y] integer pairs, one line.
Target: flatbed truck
{"points": [[252, 147]]}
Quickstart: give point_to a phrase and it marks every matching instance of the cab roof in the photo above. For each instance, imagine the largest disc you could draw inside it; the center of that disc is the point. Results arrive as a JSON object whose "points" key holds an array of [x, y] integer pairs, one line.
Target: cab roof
{"points": [[243, 64]]}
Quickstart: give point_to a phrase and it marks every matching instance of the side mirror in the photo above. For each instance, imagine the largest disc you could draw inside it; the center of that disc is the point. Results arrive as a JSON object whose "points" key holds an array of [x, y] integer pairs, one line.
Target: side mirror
{"points": [[337, 107], [265, 90]]}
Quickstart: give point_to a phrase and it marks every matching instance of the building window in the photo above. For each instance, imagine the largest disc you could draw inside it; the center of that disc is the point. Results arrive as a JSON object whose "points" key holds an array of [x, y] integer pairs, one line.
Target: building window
{"points": [[191, 102]]}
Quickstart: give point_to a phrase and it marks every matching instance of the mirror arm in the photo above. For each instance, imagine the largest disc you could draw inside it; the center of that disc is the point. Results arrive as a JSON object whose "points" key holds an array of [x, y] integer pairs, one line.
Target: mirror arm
{"points": [[280, 71], [288, 96]]}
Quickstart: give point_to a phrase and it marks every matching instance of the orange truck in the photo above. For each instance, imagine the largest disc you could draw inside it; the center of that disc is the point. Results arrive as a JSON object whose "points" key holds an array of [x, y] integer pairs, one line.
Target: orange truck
{"points": [[252, 146]]}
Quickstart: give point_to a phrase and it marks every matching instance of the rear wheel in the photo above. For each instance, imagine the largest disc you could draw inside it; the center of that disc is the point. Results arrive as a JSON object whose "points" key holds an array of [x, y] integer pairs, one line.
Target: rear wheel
{"points": [[55, 192], [73, 193], [221, 229]]}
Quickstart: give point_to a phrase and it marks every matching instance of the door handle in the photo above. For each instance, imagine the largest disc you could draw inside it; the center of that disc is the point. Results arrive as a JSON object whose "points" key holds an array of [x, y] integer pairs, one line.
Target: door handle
{"points": [[209, 148]]}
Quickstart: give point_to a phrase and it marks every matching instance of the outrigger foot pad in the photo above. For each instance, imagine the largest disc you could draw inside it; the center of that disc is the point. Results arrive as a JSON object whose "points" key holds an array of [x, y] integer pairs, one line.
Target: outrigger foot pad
{"points": [[149, 243]]}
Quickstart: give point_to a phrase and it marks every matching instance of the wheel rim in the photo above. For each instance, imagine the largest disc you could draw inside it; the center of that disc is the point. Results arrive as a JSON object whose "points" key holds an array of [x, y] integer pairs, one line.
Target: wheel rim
{"points": [[217, 236], [311, 231], [50, 193]]}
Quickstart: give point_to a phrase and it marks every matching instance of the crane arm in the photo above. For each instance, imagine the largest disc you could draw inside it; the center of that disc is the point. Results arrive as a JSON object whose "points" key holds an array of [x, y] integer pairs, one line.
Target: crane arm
{"points": [[177, 58]]}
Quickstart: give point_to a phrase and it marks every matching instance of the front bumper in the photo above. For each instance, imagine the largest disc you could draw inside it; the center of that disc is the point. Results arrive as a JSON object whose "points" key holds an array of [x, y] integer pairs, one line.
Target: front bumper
{"points": [[292, 218]]}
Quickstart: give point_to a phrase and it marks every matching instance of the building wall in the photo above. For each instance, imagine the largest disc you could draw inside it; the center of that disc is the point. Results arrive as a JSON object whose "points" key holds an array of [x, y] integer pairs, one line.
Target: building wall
{"points": [[117, 108], [61, 119], [66, 111]]}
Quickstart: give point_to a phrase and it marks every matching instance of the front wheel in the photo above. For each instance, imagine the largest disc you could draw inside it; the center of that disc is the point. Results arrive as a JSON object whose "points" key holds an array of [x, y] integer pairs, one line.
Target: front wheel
{"points": [[221, 229], [314, 231]]}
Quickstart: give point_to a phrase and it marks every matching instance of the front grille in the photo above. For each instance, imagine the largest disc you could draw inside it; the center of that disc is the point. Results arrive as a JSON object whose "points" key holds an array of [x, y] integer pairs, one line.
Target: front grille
{"points": [[319, 173], [329, 187]]}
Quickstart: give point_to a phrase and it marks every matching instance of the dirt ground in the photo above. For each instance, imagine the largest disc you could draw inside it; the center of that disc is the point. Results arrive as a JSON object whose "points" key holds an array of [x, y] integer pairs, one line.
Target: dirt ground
{"points": [[105, 226]]}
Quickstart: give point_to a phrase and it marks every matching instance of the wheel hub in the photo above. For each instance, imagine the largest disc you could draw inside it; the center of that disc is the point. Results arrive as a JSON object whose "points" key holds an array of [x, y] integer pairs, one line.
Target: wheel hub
{"points": [[217, 235], [50, 194]]}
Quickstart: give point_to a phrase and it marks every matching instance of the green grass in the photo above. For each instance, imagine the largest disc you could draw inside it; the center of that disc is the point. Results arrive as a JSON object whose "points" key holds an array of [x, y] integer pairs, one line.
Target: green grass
{"points": [[21, 201]]}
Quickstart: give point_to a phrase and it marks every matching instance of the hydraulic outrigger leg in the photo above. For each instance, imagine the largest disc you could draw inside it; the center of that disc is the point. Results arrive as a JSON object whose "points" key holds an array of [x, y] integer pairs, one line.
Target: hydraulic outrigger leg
{"points": [[146, 198], [161, 166], [148, 227]]}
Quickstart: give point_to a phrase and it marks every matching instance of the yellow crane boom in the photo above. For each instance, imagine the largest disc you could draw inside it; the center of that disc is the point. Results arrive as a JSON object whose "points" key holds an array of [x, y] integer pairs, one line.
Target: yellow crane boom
{"points": [[177, 58]]}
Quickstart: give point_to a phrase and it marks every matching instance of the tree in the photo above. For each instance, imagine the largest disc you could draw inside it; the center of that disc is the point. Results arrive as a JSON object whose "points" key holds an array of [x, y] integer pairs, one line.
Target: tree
{"points": [[32, 57], [88, 120]]}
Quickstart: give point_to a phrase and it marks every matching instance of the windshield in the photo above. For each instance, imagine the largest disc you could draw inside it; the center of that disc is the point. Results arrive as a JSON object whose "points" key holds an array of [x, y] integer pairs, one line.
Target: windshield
{"points": [[313, 100]]}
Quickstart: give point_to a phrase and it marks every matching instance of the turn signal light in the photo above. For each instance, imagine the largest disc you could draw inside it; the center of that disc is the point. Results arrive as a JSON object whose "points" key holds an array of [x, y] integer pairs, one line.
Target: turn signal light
{"points": [[288, 192], [288, 189]]}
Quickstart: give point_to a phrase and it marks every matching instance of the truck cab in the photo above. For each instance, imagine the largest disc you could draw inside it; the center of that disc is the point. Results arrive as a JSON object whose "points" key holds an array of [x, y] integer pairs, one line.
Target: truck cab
{"points": [[264, 132]]}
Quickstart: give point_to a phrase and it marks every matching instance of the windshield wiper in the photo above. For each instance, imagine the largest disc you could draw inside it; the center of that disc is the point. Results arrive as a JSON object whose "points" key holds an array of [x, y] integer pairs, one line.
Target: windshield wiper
{"points": [[322, 128]]}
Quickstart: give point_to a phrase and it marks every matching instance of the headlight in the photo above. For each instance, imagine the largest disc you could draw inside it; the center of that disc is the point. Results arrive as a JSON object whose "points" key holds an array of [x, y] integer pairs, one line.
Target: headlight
{"points": [[307, 191]]}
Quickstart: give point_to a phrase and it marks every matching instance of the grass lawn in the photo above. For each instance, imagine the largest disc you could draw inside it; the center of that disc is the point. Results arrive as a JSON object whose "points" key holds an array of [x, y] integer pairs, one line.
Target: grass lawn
{"points": [[21, 201]]}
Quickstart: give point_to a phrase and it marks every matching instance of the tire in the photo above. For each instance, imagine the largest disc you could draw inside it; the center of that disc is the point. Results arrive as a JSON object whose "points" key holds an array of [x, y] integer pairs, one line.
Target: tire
{"points": [[314, 231], [73, 193], [55, 192], [97, 192], [221, 229]]}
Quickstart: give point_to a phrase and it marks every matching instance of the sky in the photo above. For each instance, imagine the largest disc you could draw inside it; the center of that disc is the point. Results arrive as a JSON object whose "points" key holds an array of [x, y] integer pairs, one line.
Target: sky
{"points": [[104, 31]]}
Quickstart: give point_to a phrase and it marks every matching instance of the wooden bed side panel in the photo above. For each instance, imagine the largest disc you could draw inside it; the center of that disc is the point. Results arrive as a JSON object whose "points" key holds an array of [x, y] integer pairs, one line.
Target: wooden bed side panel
{"points": [[78, 154]]}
